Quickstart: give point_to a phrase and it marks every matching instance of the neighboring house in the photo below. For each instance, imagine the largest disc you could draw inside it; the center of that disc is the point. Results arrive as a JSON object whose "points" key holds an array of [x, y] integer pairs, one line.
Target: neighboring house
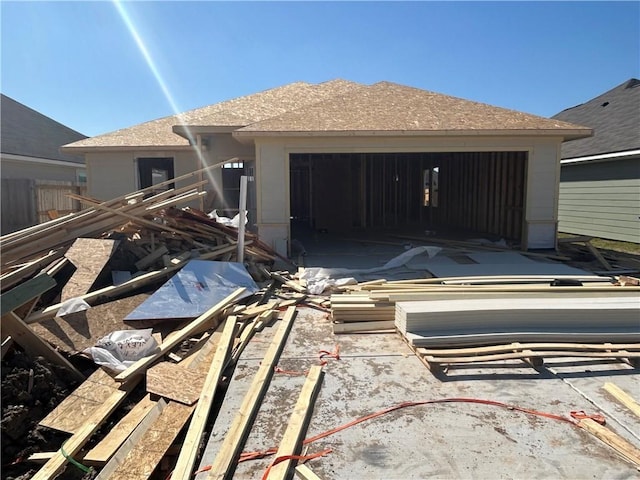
{"points": [[30, 155], [340, 156], [600, 177]]}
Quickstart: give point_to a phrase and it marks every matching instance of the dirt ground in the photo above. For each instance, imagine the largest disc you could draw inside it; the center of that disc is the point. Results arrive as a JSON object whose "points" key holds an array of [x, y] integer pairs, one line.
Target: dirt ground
{"points": [[31, 388]]}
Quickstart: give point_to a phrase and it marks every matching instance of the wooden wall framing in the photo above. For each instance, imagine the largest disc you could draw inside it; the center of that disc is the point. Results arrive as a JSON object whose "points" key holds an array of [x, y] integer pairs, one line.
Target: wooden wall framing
{"points": [[480, 192]]}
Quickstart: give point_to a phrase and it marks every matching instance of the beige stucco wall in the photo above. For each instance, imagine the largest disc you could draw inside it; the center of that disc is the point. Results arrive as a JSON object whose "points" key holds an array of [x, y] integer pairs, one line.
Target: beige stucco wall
{"points": [[272, 175], [113, 174]]}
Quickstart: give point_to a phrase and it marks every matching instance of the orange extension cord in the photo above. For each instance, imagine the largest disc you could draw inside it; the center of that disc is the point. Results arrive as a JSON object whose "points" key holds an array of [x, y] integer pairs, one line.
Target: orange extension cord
{"points": [[245, 456]]}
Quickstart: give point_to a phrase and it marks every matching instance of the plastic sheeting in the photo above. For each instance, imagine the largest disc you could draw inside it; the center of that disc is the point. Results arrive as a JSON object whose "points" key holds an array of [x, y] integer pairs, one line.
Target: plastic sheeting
{"points": [[197, 287], [319, 279]]}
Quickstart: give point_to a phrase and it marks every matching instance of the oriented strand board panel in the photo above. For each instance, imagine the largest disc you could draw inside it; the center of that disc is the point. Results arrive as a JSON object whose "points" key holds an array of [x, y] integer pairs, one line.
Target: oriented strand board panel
{"points": [[175, 382], [197, 287], [89, 255], [81, 330], [71, 414]]}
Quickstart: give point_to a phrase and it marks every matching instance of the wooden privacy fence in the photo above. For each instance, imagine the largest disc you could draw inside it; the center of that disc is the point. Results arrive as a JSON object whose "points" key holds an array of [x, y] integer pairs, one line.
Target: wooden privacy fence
{"points": [[27, 202]]}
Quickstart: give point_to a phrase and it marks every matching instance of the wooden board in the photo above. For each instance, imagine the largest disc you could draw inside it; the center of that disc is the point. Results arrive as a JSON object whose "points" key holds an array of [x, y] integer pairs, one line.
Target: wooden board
{"points": [[89, 255], [623, 397], [175, 382], [176, 337], [619, 444], [189, 451], [297, 426], [74, 444], [235, 437], [81, 330], [23, 293], [137, 460], [13, 326], [72, 412], [102, 452], [357, 327]]}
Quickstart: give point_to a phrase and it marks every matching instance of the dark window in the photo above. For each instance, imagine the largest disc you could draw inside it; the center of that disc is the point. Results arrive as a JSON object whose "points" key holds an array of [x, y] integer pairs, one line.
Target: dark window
{"points": [[152, 171]]}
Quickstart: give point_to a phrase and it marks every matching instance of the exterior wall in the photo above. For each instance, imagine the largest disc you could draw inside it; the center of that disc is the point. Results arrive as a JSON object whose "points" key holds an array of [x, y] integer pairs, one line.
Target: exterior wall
{"points": [[601, 199], [543, 176], [38, 169], [272, 176], [219, 148], [110, 174]]}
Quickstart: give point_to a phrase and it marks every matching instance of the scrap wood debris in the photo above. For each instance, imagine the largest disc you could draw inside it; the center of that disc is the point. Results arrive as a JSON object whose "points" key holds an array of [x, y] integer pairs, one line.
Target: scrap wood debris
{"points": [[106, 261]]}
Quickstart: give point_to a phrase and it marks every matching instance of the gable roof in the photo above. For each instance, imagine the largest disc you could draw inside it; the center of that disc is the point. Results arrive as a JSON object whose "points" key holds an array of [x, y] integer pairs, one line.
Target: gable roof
{"points": [[29, 133], [614, 117], [337, 107], [390, 108], [237, 112]]}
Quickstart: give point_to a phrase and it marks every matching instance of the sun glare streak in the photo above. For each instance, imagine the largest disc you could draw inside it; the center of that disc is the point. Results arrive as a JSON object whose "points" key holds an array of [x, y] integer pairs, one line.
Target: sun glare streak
{"points": [[126, 18]]}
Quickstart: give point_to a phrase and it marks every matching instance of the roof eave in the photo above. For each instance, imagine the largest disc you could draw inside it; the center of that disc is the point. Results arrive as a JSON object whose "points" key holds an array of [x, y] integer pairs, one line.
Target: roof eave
{"points": [[79, 150], [566, 134], [602, 157]]}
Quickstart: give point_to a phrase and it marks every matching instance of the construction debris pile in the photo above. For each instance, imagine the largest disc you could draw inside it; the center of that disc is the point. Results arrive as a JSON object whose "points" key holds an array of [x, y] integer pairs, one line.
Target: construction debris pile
{"points": [[122, 326]]}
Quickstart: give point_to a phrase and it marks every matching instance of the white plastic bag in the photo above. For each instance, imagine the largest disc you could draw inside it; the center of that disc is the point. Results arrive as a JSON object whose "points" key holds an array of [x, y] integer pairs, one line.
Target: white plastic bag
{"points": [[123, 348]]}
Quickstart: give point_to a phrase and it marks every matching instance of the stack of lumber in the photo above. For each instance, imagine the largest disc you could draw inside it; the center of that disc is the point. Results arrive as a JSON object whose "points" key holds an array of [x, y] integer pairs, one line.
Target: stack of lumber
{"points": [[153, 233], [489, 321], [359, 313], [482, 319], [370, 306]]}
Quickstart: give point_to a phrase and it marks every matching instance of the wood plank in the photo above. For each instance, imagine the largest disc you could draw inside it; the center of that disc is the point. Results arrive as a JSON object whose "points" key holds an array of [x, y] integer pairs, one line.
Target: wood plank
{"points": [[72, 412], [137, 460], [23, 293], [131, 440], [152, 257], [20, 332], [235, 437], [297, 427], [174, 382], [354, 327], [176, 337], [509, 347], [117, 445], [619, 444], [530, 354], [187, 457], [103, 451], [623, 397], [73, 445], [90, 256], [305, 473]]}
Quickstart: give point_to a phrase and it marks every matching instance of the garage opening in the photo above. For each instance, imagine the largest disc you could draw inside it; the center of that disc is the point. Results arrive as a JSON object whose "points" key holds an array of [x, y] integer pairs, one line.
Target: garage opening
{"points": [[467, 192]]}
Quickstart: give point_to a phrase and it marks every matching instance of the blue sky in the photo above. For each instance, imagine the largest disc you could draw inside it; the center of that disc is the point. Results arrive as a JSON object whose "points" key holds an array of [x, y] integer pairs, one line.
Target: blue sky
{"points": [[78, 63]]}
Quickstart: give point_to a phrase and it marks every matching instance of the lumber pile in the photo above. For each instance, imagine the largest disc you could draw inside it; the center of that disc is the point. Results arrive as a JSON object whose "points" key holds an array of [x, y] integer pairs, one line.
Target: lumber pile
{"points": [[109, 258], [486, 319]]}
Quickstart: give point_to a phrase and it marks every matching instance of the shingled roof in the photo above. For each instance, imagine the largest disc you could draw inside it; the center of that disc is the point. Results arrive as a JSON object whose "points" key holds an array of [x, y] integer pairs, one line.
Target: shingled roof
{"points": [[337, 107], [31, 134], [614, 117]]}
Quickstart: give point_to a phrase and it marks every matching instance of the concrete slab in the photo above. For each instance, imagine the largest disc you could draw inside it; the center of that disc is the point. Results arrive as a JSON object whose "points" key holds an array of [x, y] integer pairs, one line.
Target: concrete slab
{"points": [[451, 440]]}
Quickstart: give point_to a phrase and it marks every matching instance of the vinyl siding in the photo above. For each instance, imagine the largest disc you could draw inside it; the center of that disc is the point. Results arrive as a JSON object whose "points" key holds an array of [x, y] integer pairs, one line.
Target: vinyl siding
{"points": [[608, 207]]}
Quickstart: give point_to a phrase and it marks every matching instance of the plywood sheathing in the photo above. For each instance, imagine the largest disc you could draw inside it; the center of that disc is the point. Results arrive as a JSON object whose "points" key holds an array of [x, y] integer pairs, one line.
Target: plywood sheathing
{"points": [[236, 112], [390, 107], [77, 331], [89, 255], [74, 410]]}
